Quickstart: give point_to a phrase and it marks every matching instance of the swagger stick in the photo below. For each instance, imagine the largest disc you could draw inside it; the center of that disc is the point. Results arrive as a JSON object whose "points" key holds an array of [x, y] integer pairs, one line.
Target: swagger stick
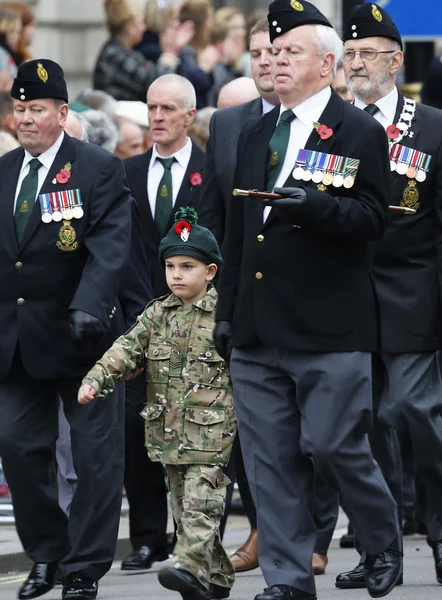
{"points": [[403, 210]]}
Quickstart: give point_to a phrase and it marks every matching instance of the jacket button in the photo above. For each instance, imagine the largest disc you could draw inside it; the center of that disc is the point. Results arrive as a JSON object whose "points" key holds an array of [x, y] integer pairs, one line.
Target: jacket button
{"points": [[208, 354], [18, 265], [260, 238], [156, 352], [258, 275], [20, 301]]}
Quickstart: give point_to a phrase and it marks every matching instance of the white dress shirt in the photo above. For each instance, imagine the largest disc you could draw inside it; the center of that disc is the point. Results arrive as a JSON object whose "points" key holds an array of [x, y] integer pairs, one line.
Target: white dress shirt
{"points": [[387, 107], [306, 113], [156, 172], [266, 106], [46, 158]]}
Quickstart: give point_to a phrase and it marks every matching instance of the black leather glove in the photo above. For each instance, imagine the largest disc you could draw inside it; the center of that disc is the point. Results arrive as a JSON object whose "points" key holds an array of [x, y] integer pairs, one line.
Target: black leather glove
{"points": [[288, 207], [222, 337], [85, 327]]}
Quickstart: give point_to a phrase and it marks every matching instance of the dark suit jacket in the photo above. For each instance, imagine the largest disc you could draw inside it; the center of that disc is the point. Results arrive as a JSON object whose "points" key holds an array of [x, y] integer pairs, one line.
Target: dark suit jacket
{"points": [[315, 293], [136, 170], [52, 281], [219, 168], [408, 260]]}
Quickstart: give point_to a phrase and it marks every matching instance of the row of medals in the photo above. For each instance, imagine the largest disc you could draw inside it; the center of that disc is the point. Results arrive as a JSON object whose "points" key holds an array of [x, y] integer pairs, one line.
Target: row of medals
{"points": [[327, 178], [66, 214]]}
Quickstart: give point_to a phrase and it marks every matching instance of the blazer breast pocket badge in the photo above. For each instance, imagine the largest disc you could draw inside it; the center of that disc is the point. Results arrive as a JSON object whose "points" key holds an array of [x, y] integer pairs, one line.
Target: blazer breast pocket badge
{"points": [[65, 206]]}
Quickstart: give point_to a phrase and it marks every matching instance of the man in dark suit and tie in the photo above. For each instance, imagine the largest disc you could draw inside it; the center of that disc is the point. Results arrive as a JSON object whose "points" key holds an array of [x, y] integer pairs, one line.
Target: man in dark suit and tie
{"points": [[297, 305], [65, 232], [225, 127], [162, 180], [407, 269]]}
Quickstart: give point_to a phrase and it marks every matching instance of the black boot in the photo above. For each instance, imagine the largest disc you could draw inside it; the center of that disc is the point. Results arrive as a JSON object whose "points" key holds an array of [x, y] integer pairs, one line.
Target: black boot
{"points": [[218, 591], [284, 592], [183, 582], [382, 572]]}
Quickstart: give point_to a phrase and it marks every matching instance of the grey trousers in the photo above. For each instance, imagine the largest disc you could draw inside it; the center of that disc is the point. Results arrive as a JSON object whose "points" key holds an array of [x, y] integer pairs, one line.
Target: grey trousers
{"points": [[294, 407], [66, 476], [412, 405]]}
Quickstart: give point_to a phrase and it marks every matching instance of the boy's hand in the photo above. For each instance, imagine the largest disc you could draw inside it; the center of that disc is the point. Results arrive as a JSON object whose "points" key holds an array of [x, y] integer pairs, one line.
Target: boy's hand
{"points": [[86, 394]]}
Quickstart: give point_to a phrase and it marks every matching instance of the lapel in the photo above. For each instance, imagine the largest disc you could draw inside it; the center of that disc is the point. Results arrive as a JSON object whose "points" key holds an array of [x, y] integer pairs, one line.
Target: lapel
{"points": [[332, 117], [187, 190], [8, 187], [64, 155]]}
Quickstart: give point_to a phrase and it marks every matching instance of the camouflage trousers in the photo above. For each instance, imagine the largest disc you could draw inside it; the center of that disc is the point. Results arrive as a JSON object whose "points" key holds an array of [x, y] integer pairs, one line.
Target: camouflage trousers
{"points": [[197, 497]]}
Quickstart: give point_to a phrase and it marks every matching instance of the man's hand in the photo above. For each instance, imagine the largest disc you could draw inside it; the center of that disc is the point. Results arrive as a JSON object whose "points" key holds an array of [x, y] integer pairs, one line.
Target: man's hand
{"points": [[85, 327], [86, 394], [222, 336], [288, 206]]}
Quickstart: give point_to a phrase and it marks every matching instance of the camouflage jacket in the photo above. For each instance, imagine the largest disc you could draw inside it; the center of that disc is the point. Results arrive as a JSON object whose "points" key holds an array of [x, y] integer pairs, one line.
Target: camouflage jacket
{"points": [[190, 416]]}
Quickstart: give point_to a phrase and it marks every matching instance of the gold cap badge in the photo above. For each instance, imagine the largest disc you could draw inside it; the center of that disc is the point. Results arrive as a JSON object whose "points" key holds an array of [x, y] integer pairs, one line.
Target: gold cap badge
{"points": [[42, 73], [296, 5], [376, 13]]}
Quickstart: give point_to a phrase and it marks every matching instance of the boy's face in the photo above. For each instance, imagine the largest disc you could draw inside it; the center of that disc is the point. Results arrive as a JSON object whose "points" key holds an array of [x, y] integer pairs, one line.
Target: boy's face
{"points": [[187, 277]]}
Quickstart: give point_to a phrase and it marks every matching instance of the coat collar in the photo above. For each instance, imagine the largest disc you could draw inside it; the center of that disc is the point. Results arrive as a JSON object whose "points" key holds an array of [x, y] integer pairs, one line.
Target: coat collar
{"points": [[206, 304]]}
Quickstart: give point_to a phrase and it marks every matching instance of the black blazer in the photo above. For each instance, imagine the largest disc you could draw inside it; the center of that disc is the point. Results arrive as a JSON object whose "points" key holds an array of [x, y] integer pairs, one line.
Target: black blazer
{"points": [[188, 195], [407, 264], [307, 287], [219, 168], [52, 281]]}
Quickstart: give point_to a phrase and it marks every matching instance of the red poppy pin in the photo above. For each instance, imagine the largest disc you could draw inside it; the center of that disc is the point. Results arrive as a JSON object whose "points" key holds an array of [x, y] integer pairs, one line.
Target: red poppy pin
{"points": [[324, 132], [393, 132], [64, 175], [184, 219], [195, 179]]}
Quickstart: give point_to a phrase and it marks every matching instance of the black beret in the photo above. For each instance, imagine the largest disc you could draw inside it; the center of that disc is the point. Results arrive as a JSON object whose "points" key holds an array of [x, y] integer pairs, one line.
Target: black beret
{"points": [[190, 239], [371, 20], [42, 78], [288, 14]]}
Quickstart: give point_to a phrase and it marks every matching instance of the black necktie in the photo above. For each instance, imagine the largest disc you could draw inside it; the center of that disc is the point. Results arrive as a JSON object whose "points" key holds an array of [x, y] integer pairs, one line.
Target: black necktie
{"points": [[372, 109], [278, 148]]}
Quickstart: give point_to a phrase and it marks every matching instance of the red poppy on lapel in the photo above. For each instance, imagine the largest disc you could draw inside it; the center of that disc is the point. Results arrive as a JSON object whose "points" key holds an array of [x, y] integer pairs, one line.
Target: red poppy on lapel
{"points": [[64, 175], [324, 132], [196, 179], [393, 132]]}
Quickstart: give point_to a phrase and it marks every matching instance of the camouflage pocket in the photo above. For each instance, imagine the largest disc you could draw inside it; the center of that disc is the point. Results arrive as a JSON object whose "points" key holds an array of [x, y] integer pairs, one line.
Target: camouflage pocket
{"points": [[154, 429], [206, 367], [158, 359], [203, 428]]}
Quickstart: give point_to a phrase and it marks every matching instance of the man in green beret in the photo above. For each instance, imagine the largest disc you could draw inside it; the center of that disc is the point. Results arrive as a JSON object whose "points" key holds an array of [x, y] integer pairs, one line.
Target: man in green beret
{"points": [[190, 417]]}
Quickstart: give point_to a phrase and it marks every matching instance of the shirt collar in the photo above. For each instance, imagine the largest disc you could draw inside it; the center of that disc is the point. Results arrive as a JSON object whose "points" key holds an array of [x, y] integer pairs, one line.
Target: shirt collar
{"points": [[309, 111], [387, 105], [207, 304], [266, 106], [181, 156], [47, 157]]}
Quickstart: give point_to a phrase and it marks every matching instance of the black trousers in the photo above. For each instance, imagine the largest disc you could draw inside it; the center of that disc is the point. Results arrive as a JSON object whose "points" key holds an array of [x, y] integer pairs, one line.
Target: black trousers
{"points": [[236, 471], [144, 480], [28, 430]]}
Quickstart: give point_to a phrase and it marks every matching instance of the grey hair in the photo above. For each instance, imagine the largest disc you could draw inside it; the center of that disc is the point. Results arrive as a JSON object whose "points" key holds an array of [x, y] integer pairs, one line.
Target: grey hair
{"points": [[102, 130], [84, 124], [329, 41], [99, 100], [204, 115], [7, 142], [188, 96]]}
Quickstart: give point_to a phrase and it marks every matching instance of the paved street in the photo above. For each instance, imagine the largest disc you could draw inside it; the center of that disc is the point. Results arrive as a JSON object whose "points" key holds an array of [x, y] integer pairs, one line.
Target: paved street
{"points": [[420, 582]]}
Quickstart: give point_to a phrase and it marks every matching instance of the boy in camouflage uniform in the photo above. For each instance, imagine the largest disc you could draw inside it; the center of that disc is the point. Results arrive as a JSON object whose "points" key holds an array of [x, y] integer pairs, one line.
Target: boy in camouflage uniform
{"points": [[190, 417]]}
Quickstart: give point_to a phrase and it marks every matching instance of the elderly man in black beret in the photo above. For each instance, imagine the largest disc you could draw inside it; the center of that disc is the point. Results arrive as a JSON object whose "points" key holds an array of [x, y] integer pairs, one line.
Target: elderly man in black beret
{"points": [[407, 270], [64, 241], [297, 304]]}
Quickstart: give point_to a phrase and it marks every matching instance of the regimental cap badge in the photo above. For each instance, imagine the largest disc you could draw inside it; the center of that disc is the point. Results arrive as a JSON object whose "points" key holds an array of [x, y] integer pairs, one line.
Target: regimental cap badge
{"points": [[376, 13], [42, 73], [296, 5], [184, 219]]}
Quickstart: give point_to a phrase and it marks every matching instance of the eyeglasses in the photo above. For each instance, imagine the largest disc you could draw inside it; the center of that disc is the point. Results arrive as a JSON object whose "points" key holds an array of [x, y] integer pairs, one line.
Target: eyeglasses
{"points": [[369, 55]]}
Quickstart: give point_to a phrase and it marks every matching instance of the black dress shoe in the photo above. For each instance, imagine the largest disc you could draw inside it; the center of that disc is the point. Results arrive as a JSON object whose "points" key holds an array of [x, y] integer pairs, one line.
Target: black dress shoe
{"points": [[40, 580], [284, 592], [437, 553], [143, 558], [218, 591], [183, 582], [79, 587], [351, 580], [383, 572], [347, 541]]}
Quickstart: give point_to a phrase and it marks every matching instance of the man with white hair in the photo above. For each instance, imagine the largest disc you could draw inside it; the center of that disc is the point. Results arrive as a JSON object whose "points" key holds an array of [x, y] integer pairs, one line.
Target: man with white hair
{"points": [[165, 178], [76, 126], [297, 305]]}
